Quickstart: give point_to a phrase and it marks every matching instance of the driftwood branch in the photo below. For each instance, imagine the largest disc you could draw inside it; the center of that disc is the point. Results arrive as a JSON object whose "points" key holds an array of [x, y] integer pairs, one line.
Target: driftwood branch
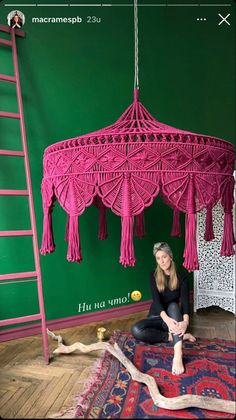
{"points": [[55, 337], [173, 403]]}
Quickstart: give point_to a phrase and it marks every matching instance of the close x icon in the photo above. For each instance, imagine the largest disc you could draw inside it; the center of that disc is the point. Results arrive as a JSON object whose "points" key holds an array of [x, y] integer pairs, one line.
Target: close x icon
{"points": [[224, 19]]}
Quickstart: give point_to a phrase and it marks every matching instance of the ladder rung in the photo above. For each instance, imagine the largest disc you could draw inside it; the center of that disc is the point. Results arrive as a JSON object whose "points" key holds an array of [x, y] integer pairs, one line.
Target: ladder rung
{"points": [[6, 78], [11, 153], [19, 320], [13, 276], [5, 42], [14, 192], [9, 114], [16, 233], [7, 29]]}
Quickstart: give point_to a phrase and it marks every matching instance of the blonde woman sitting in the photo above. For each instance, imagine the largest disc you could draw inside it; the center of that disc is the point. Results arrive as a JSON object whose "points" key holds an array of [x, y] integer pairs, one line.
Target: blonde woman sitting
{"points": [[168, 317]]}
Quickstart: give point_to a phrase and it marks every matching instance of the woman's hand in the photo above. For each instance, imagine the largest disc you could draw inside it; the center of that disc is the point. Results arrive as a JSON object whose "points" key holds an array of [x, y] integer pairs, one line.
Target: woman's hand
{"points": [[177, 328], [173, 326], [181, 328]]}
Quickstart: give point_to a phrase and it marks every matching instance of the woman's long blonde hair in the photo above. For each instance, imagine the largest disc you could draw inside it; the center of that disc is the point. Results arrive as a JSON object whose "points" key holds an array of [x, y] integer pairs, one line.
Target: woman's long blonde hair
{"points": [[161, 278]]}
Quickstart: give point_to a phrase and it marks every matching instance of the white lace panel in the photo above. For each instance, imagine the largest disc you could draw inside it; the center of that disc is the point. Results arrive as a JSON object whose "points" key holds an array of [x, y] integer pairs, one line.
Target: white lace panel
{"points": [[214, 283]]}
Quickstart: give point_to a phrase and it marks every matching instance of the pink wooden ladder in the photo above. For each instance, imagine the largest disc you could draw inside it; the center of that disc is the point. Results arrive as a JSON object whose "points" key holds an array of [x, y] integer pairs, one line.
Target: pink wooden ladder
{"points": [[36, 275]]}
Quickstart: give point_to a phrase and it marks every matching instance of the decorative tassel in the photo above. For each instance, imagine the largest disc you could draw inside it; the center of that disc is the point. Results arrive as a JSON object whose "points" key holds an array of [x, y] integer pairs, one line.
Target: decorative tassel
{"points": [[140, 225], [48, 245], [127, 257], [209, 232], [227, 201], [176, 227], [190, 251], [74, 250], [227, 247], [102, 232]]}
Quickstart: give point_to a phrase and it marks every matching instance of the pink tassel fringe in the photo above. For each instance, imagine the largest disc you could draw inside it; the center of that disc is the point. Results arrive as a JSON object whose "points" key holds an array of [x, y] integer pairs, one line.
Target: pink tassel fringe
{"points": [[190, 252], [227, 247], [127, 257], [48, 245], [74, 250], [209, 232]]}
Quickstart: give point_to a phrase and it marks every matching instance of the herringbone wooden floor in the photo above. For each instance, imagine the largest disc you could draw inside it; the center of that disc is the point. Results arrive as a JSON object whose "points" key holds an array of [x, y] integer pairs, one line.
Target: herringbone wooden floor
{"points": [[31, 389]]}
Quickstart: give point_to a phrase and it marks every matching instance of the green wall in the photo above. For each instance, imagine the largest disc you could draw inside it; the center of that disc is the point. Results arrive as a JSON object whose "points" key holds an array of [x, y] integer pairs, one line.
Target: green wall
{"points": [[79, 78]]}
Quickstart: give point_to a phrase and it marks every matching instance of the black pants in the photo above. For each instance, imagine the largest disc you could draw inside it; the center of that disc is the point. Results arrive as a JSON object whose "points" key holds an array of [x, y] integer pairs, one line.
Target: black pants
{"points": [[154, 330]]}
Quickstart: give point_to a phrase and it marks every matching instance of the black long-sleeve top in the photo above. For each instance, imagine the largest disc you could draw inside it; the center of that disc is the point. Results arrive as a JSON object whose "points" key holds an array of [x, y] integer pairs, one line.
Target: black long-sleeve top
{"points": [[162, 299]]}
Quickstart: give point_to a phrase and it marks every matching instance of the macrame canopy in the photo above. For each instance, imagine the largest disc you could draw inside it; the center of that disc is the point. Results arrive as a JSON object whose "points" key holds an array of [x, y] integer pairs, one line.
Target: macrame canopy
{"points": [[125, 166]]}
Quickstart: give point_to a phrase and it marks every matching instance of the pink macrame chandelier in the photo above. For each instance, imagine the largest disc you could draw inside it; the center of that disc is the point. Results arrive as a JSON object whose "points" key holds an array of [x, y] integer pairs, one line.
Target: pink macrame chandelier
{"points": [[125, 166]]}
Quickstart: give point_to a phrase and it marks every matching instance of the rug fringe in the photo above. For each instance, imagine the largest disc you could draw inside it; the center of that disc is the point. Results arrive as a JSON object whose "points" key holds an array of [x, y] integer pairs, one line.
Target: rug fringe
{"points": [[65, 414], [95, 371]]}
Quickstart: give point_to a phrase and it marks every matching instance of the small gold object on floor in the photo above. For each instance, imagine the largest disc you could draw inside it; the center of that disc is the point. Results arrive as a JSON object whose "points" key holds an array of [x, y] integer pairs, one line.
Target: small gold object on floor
{"points": [[101, 333]]}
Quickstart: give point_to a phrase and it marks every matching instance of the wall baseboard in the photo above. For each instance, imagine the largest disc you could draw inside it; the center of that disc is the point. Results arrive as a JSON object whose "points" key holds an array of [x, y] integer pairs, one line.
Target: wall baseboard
{"points": [[73, 321], [77, 320]]}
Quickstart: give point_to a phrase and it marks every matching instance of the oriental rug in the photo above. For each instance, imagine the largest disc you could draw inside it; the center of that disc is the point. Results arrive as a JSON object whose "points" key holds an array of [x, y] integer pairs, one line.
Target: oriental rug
{"points": [[110, 392]]}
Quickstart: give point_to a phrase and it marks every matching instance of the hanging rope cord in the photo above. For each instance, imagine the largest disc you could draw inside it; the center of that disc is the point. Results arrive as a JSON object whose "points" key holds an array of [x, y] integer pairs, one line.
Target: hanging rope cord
{"points": [[136, 80]]}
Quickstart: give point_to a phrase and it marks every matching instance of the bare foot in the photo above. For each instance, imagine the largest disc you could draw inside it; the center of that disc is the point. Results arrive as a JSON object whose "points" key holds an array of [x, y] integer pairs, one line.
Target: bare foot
{"points": [[177, 365], [189, 337], [186, 337]]}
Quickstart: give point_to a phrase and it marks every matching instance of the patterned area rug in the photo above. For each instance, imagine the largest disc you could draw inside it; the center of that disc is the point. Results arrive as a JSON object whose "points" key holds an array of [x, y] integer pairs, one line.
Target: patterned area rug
{"points": [[110, 393]]}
